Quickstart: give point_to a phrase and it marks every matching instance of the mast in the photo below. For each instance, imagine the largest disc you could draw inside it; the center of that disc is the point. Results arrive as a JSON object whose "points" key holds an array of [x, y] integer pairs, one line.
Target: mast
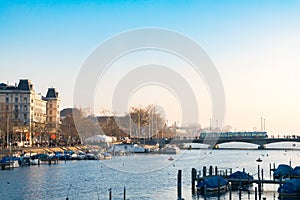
{"points": [[7, 130]]}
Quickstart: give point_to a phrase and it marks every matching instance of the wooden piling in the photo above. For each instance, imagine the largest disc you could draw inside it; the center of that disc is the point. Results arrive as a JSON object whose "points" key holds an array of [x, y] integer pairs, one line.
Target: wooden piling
{"points": [[210, 170], [124, 196], [194, 174], [258, 171], [204, 191], [230, 191], [255, 193], [216, 170], [110, 194], [270, 169], [262, 176], [219, 187], [204, 171], [179, 194]]}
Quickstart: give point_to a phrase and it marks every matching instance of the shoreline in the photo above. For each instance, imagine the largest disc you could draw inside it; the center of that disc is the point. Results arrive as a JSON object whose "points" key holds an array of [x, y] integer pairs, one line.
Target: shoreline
{"points": [[4, 152]]}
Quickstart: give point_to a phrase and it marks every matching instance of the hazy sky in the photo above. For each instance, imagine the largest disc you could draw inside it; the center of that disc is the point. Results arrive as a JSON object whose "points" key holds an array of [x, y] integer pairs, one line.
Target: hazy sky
{"points": [[255, 46]]}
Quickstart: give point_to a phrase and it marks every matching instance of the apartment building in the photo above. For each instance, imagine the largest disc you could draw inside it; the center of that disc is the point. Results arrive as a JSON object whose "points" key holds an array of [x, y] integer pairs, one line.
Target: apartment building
{"points": [[26, 111]]}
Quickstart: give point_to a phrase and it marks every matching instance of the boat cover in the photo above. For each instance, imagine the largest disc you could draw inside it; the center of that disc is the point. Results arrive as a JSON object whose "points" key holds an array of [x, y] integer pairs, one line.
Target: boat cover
{"points": [[8, 158], [297, 170], [290, 187], [240, 175], [283, 170], [212, 182]]}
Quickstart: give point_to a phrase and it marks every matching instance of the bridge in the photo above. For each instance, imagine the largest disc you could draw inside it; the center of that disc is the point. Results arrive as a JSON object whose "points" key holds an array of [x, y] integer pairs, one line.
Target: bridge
{"points": [[216, 141]]}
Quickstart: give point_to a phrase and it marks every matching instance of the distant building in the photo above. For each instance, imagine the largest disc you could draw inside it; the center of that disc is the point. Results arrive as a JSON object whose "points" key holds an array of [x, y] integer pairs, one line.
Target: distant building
{"points": [[25, 109], [53, 113]]}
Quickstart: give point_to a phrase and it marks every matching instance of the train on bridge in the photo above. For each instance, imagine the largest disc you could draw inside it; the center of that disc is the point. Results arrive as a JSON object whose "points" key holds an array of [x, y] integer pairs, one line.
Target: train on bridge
{"points": [[255, 134]]}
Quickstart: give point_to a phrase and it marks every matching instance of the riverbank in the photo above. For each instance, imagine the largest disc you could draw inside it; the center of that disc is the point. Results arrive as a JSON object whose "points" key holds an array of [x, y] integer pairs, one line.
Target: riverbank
{"points": [[47, 150]]}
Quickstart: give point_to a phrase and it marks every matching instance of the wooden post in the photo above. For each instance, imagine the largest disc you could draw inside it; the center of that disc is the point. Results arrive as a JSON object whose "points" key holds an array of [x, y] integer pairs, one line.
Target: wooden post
{"points": [[194, 173], [110, 196], [262, 177], [216, 170], [218, 186], [210, 172], [255, 193], [179, 197], [204, 171], [230, 191], [270, 170], [204, 192], [124, 193], [248, 178]]}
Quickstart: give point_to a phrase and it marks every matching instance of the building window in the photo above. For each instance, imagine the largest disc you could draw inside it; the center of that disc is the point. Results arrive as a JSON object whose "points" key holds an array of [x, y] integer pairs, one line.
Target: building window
{"points": [[25, 116], [50, 112], [50, 119], [25, 99], [7, 107], [7, 99], [16, 99], [16, 116], [50, 105], [25, 107], [16, 107]]}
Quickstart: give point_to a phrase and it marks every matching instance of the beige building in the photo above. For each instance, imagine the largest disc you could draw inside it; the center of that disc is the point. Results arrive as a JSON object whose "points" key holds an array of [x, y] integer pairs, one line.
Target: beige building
{"points": [[53, 112], [25, 111]]}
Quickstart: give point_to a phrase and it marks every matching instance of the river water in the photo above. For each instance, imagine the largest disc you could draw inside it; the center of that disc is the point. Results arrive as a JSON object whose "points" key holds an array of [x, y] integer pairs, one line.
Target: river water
{"points": [[145, 176]]}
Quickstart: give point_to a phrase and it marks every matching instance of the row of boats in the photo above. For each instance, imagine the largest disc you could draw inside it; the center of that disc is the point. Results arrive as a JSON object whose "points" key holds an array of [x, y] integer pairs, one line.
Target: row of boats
{"points": [[16, 160], [212, 184], [291, 178], [288, 177]]}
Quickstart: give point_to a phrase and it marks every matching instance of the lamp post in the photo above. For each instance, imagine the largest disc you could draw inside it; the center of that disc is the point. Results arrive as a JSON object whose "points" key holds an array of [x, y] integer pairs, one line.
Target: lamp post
{"points": [[7, 130]]}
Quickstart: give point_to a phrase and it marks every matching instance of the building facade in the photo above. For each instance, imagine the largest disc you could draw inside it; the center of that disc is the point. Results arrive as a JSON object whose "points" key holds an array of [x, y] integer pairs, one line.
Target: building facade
{"points": [[53, 112], [24, 111]]}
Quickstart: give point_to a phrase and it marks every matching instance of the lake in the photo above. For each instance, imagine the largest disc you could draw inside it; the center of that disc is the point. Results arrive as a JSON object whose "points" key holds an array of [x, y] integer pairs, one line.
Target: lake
{"points": [[145, 176]]}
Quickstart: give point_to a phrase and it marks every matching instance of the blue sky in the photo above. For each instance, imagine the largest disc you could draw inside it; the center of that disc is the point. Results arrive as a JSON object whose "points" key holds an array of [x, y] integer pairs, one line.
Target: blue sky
{"points": [[254, 45]]}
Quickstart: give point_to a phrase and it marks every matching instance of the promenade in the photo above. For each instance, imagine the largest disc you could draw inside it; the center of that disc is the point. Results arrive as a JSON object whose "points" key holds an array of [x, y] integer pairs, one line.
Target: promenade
{"points": [[47, 150]]}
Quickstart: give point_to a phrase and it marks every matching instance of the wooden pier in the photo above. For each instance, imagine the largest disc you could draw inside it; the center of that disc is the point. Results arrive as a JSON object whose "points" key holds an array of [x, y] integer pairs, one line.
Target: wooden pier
{"points": [[200, 175]]}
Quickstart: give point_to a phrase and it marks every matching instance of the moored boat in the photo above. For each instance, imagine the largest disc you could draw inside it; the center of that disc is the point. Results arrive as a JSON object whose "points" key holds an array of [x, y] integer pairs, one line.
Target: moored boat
{"points": [[283, 171], [107, 156], [170, 149], [212, 185], [9, 162], [240, 180], [290, 188]]}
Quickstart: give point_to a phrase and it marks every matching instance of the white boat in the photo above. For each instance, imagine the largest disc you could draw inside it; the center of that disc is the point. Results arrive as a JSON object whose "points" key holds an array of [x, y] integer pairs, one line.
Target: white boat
{"points": [[34, 161], [107, 156], [138, 149], [15, 164], [170, 158], [9, 162], [171, 149]]}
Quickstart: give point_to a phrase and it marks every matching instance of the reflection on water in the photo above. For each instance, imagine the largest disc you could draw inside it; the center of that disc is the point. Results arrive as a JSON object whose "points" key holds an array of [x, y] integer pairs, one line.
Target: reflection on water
{"points": [[93, 179]]}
